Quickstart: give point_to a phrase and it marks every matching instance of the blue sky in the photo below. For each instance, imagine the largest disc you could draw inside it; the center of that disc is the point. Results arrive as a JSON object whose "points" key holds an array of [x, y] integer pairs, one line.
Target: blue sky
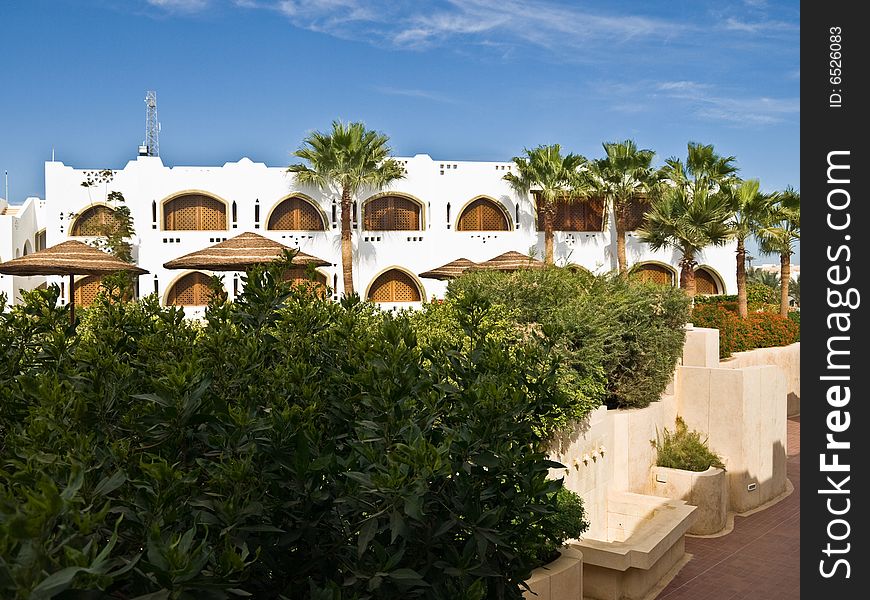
{"points": [[462, 80]]}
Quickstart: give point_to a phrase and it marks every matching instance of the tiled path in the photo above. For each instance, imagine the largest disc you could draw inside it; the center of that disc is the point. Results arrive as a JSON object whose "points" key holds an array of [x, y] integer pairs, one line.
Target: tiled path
{"points": [[759, 560]]}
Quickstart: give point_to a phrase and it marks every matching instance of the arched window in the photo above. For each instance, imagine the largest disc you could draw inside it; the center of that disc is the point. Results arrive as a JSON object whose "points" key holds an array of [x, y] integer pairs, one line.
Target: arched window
{"points": [[705, 282], [394, 286], [296, 214], [190, 290], [392, 213], [94, 221], [85, 290], [653, 273], [27, 248], [576, 215], [194, 212], [483, 215], [299, 276]]}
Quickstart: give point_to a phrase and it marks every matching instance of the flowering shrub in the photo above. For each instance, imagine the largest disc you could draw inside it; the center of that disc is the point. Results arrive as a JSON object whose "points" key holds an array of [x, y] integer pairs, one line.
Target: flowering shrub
{"points": [[758, 330]]}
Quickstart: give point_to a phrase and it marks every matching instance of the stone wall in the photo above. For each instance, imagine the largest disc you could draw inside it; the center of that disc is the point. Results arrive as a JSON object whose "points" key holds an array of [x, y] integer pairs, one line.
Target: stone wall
{"points": [[788, 358]]}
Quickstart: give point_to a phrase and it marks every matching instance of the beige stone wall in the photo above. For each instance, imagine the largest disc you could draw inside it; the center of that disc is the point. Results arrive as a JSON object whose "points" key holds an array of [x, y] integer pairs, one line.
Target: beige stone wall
{"points": [[743, 414], [788, 358]]}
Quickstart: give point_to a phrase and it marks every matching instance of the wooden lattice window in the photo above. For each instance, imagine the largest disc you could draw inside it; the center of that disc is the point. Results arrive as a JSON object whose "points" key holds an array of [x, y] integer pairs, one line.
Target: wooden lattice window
{"points": [[300, 276], [296, 214], [391, 213], [654, 274], [576, 215], [483, 215], [95, 220], [705, 283], [194, 212], [85, 290], [394, 286], [635, 214], [190, 290]]}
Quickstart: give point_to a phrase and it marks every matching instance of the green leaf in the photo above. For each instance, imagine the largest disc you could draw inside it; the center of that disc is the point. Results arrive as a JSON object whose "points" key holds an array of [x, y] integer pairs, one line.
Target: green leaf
{"points": [[109, 484], [368, 531]]}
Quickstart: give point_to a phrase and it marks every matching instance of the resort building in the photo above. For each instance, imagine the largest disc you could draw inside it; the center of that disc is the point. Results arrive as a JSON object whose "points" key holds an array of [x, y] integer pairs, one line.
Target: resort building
{"points": [[440, 211]]}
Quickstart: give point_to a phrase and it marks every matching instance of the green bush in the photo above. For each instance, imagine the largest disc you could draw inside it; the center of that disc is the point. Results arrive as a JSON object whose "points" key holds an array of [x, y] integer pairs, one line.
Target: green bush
{"points": [[288, 447], [759, 293], [631, 330], [684, 449], [569, 520]]}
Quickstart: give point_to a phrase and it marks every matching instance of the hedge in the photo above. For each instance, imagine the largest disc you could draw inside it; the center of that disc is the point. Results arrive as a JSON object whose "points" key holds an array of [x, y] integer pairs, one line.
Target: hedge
{"points": [[287, 447], [758, 330]]}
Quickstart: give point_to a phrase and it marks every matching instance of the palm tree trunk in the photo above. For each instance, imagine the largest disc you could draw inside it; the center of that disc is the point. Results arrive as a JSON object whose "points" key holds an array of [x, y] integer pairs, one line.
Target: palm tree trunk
{"points": [[549, 211], [687, 275], [346, 242], [742, 302], [619, 215], [784, 277]]}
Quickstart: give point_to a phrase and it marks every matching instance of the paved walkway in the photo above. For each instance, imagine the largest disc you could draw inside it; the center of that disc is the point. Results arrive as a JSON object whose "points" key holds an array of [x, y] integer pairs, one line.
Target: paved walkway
{"points": [[759, 559]]}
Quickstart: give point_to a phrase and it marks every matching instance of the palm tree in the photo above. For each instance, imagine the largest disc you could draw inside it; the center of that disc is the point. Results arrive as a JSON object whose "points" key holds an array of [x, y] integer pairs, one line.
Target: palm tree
{"points": [[692, 210], [348, 158], [554, 176], [624, 175], [750, 210], [779, 236], [762, 277]]}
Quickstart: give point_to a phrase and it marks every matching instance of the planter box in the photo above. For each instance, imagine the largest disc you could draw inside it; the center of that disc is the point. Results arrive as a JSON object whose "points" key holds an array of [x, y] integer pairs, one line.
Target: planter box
{"points": [[708, 490], [561, 579]]}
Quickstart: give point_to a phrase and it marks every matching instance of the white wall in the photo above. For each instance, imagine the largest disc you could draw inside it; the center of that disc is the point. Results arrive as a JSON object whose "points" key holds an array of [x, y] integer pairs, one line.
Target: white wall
{"points": [[146, 180]]}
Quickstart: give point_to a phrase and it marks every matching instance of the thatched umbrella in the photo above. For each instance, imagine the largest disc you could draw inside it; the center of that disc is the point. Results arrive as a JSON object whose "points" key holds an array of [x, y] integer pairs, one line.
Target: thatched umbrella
{"points": [[239, 253], [451, 270], [510, 261], [68, 258]]}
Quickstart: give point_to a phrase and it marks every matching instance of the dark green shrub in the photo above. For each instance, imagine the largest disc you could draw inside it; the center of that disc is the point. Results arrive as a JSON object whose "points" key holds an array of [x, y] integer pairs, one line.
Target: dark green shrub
{"points": [[569, 520], [288, 447], [633, 331], [684, 449]]}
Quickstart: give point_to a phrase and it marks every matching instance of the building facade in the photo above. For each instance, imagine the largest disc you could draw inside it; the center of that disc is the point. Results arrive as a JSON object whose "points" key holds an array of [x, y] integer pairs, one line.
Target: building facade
{"points": [[438, 212]]}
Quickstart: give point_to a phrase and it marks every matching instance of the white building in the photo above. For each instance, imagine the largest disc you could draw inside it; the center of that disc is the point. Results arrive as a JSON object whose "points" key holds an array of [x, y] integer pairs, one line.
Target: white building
{"points": [[439, 212], [22, 231]]}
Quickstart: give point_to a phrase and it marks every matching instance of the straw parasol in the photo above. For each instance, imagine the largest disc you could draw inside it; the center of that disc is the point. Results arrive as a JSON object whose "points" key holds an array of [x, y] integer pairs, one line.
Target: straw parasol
{"points": [[239, 253], [451, 270], [510, 261], [68, 258]]}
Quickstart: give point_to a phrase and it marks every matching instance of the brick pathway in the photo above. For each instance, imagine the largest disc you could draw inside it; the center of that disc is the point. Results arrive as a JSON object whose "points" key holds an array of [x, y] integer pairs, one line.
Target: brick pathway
{"points": [[758, 560]]}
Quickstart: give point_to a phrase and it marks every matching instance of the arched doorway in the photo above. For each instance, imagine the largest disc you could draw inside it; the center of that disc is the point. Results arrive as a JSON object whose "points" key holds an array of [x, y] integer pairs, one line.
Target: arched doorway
{"points": [[394, 285], [191, 289]]}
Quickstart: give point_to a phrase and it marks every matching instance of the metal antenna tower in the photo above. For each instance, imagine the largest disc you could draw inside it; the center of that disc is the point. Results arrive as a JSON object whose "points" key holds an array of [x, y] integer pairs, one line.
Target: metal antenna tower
{"points": [[152, 126]]}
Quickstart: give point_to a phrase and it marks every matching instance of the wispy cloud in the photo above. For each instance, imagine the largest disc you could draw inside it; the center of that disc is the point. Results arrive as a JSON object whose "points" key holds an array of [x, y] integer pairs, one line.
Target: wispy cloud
{"points": [[700, 100], [707, 102], [414, 93], [182, 6], [496, 24], [753, 27]]}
